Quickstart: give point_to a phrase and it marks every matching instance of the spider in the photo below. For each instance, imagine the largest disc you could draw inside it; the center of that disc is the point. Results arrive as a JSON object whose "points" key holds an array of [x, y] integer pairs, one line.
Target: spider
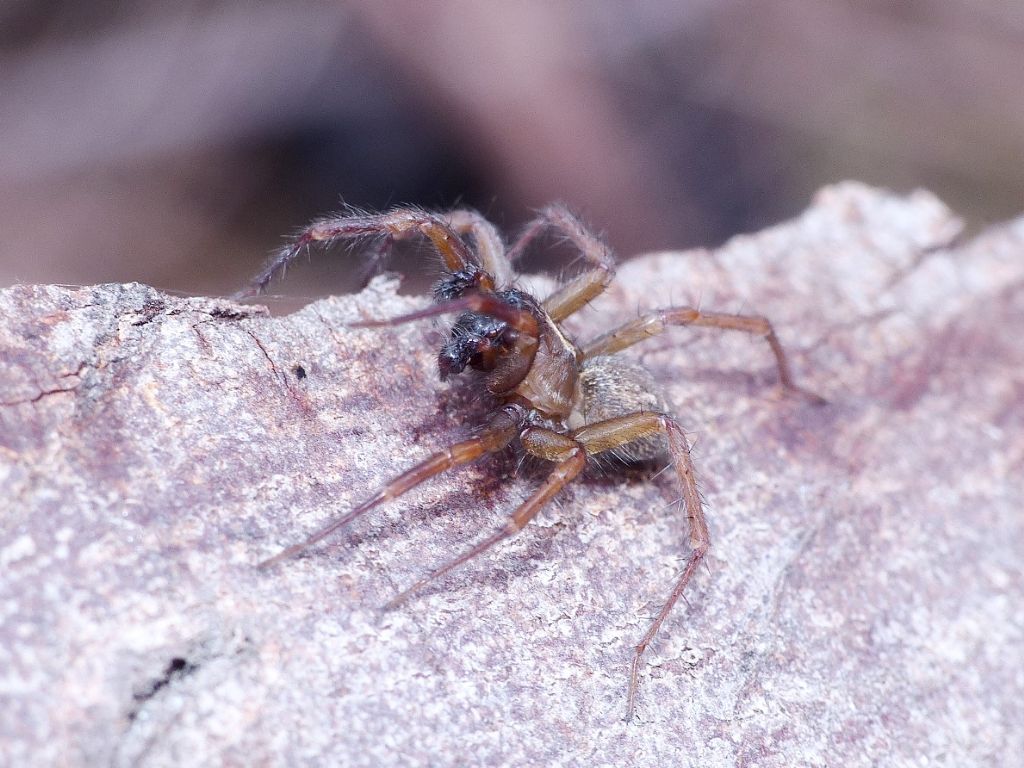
{"points": [[562, 402]]}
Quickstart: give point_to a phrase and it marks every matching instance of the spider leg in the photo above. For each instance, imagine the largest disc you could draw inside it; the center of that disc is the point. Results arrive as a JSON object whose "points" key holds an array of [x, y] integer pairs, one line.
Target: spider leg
{"points": [[581, 290], [571, 459], [496, 435], [394, 224], [612, 433], [490, 248], [652, 323]]}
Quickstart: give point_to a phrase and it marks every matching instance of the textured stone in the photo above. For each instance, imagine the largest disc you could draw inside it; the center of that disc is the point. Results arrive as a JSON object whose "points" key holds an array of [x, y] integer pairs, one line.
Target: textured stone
{"points": [[862, 604]]}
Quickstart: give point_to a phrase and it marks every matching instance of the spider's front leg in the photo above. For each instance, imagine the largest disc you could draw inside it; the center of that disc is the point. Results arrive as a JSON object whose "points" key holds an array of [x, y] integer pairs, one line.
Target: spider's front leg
{"points": [[400, 222]]}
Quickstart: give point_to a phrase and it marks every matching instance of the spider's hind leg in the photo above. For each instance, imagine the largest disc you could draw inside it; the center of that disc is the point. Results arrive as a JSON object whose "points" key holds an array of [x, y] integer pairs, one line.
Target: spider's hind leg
{"points": [[611, 433]]}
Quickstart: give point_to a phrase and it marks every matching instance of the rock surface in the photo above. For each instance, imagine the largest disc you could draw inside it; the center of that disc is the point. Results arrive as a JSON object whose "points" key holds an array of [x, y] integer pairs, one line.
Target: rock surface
{"points": [[862, 604]]}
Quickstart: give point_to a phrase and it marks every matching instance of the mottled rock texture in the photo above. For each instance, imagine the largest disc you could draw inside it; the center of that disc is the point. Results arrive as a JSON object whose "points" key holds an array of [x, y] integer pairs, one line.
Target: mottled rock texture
{"points": [[862, 605]]}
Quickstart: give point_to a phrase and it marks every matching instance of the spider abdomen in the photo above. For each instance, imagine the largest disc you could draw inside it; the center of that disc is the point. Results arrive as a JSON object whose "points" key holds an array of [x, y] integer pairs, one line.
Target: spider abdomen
{"points": [[612, 386]]}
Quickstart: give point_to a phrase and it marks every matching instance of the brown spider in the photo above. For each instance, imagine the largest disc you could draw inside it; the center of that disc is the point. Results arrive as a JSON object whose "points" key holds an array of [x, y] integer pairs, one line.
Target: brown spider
{"points": [[563, 402]]}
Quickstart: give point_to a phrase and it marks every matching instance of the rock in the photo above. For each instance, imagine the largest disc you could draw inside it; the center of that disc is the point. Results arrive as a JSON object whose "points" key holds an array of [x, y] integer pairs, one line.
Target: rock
{"points": [[862, 603]]}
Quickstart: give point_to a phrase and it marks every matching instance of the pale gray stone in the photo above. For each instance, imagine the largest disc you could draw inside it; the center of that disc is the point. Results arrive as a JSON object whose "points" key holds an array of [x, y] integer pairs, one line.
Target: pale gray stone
{"points": [[862, 604]]}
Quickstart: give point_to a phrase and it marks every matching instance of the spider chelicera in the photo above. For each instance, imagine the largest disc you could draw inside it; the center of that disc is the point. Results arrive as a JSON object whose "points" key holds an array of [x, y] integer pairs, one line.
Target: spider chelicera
{"points": [[562, 402]]}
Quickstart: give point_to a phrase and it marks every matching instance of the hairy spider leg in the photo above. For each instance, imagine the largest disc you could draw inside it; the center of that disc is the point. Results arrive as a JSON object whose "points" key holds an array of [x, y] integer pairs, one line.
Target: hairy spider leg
{"points": [[583, 288], [490, 248], [495, 436], [397, 223], [571, 459], [655, 322], [612, 433]]}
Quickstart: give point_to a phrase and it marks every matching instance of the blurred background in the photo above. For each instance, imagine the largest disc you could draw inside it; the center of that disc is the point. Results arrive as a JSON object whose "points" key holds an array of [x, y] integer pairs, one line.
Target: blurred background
{"points": [[175, 143]]}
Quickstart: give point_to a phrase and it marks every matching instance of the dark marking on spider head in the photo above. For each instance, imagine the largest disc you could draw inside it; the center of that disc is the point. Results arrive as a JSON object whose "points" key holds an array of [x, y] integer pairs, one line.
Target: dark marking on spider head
{"points": [[476, 341]]}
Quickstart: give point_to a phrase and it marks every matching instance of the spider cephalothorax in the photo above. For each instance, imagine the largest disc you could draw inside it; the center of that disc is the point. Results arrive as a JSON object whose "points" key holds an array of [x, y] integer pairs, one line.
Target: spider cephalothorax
{"points": [[558, 401]]}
